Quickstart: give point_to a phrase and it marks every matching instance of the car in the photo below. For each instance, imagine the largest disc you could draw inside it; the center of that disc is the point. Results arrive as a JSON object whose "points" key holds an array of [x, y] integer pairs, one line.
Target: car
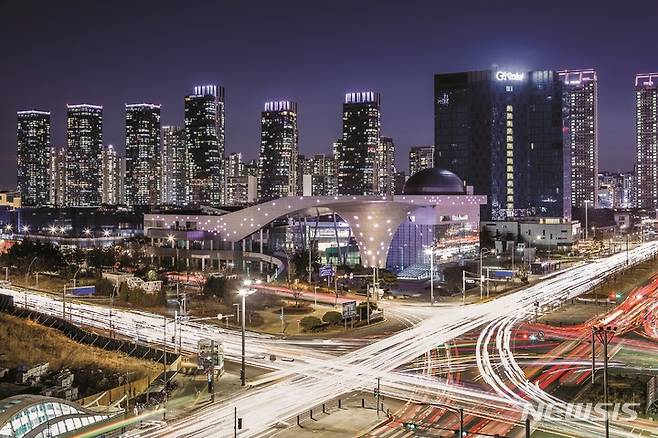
{"points": [[287, 359]]}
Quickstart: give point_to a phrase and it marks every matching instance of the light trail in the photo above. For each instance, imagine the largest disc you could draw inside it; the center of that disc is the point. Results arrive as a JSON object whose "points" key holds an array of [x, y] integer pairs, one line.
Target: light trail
{"points": [[506, 376], [321, 377]]}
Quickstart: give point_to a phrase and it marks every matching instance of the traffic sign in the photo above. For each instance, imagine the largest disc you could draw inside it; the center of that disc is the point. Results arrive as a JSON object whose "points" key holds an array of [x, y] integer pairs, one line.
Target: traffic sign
{"points": [[349, 309], [326, 271]]}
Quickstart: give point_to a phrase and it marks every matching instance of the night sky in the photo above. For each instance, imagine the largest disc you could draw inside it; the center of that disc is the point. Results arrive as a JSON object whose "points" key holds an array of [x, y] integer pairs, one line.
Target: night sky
{"points": [[115, 52]]}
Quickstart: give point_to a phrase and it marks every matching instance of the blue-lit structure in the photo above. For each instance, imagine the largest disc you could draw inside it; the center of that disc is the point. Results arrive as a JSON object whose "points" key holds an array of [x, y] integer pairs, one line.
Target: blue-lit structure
{"points": [[36, 416]]}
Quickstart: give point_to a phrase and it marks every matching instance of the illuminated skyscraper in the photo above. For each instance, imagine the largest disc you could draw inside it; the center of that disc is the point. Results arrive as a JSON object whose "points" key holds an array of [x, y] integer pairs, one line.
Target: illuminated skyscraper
{"points": [[279, 151], [502, 133], [420, 158], [84, 145], [33, 155], [142, 154], [173, 165], [357, 150], [646, 140], [204, 143], [385, 166], [110, 166], [579, 105]]}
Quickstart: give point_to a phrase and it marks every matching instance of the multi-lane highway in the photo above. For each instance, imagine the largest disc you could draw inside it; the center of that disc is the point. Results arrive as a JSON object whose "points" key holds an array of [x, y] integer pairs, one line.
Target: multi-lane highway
{"points": [[319, 374]]}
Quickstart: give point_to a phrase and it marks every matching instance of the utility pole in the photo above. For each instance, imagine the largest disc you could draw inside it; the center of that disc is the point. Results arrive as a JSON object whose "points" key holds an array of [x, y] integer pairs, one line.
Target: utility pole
{"points": [[463, 288], [378, 391], [605, 335], [164, 365], [593, 354], [281, 317], [527, 427]]}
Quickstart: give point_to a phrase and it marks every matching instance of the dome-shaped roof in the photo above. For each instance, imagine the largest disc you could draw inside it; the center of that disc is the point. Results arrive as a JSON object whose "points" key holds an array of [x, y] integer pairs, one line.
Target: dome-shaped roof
{"points": [[434, 181]]}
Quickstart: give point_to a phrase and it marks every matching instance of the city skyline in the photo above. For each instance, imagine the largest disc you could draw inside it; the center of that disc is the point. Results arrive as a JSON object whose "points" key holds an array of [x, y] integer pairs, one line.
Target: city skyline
{"points": [[406, 87]]}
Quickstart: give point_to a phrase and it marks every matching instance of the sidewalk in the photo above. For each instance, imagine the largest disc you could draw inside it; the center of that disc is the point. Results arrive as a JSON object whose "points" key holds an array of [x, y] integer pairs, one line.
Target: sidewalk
{"points": [[351, 420]]}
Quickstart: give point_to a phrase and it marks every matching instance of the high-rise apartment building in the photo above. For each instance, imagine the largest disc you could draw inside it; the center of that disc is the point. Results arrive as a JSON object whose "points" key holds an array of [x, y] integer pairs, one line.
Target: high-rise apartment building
{"points": [[204, 143], [33, 156], [501, 132], [143, 154], [279, 151], [84, 144], [646, 140], [173, 165], [110, 171], [420, 158], [580, 110], [234, 164], [385, 166], [318, 175], [357, 151]]}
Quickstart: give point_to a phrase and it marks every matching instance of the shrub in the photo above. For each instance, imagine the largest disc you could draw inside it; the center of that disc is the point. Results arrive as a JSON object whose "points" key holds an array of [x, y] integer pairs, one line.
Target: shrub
{"points": [[309, 323], [332, 317]]}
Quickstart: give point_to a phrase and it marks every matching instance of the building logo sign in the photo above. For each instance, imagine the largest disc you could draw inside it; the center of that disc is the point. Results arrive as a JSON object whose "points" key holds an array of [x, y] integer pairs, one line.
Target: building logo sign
{"points": [[509, 76]]}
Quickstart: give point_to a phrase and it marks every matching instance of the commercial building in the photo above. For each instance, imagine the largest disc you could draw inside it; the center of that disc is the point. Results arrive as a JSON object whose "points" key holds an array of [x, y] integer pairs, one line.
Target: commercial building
{"points": [[356, 153], [173, 165], [420, 158], [502, 132], [143, 154], [279, 151], [241, 182], [217, 239], [110, 169], [84, 144], [646, 140], [33, 156], [580, 109], [204, 143], [552, 234]]}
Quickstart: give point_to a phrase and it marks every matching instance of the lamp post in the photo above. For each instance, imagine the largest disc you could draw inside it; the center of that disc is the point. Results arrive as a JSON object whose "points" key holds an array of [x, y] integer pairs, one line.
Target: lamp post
{"points": [[243, 293], [483, 251], [430, 251]]}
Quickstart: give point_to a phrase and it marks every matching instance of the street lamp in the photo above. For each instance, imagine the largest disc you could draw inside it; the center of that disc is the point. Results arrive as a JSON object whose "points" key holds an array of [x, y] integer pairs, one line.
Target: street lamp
{"points": [[430, 251], [87, 232], [243, 293], [482, 252], [106, 233]]}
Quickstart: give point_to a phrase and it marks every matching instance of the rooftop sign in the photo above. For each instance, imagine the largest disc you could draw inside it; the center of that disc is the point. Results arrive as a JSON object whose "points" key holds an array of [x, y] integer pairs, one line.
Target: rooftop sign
{"points": [[509, 76]]}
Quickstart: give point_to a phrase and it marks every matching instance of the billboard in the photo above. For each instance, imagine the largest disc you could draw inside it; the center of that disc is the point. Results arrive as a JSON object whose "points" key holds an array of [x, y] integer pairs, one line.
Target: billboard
{"points": [[326, 271], [82, 291], [502, 273]]}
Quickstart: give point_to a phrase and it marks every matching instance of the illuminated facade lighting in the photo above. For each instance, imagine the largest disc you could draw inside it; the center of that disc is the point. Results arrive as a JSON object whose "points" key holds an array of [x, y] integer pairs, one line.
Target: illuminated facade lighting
{"points": [[204, 143], [356, 153], [279, 151]]}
